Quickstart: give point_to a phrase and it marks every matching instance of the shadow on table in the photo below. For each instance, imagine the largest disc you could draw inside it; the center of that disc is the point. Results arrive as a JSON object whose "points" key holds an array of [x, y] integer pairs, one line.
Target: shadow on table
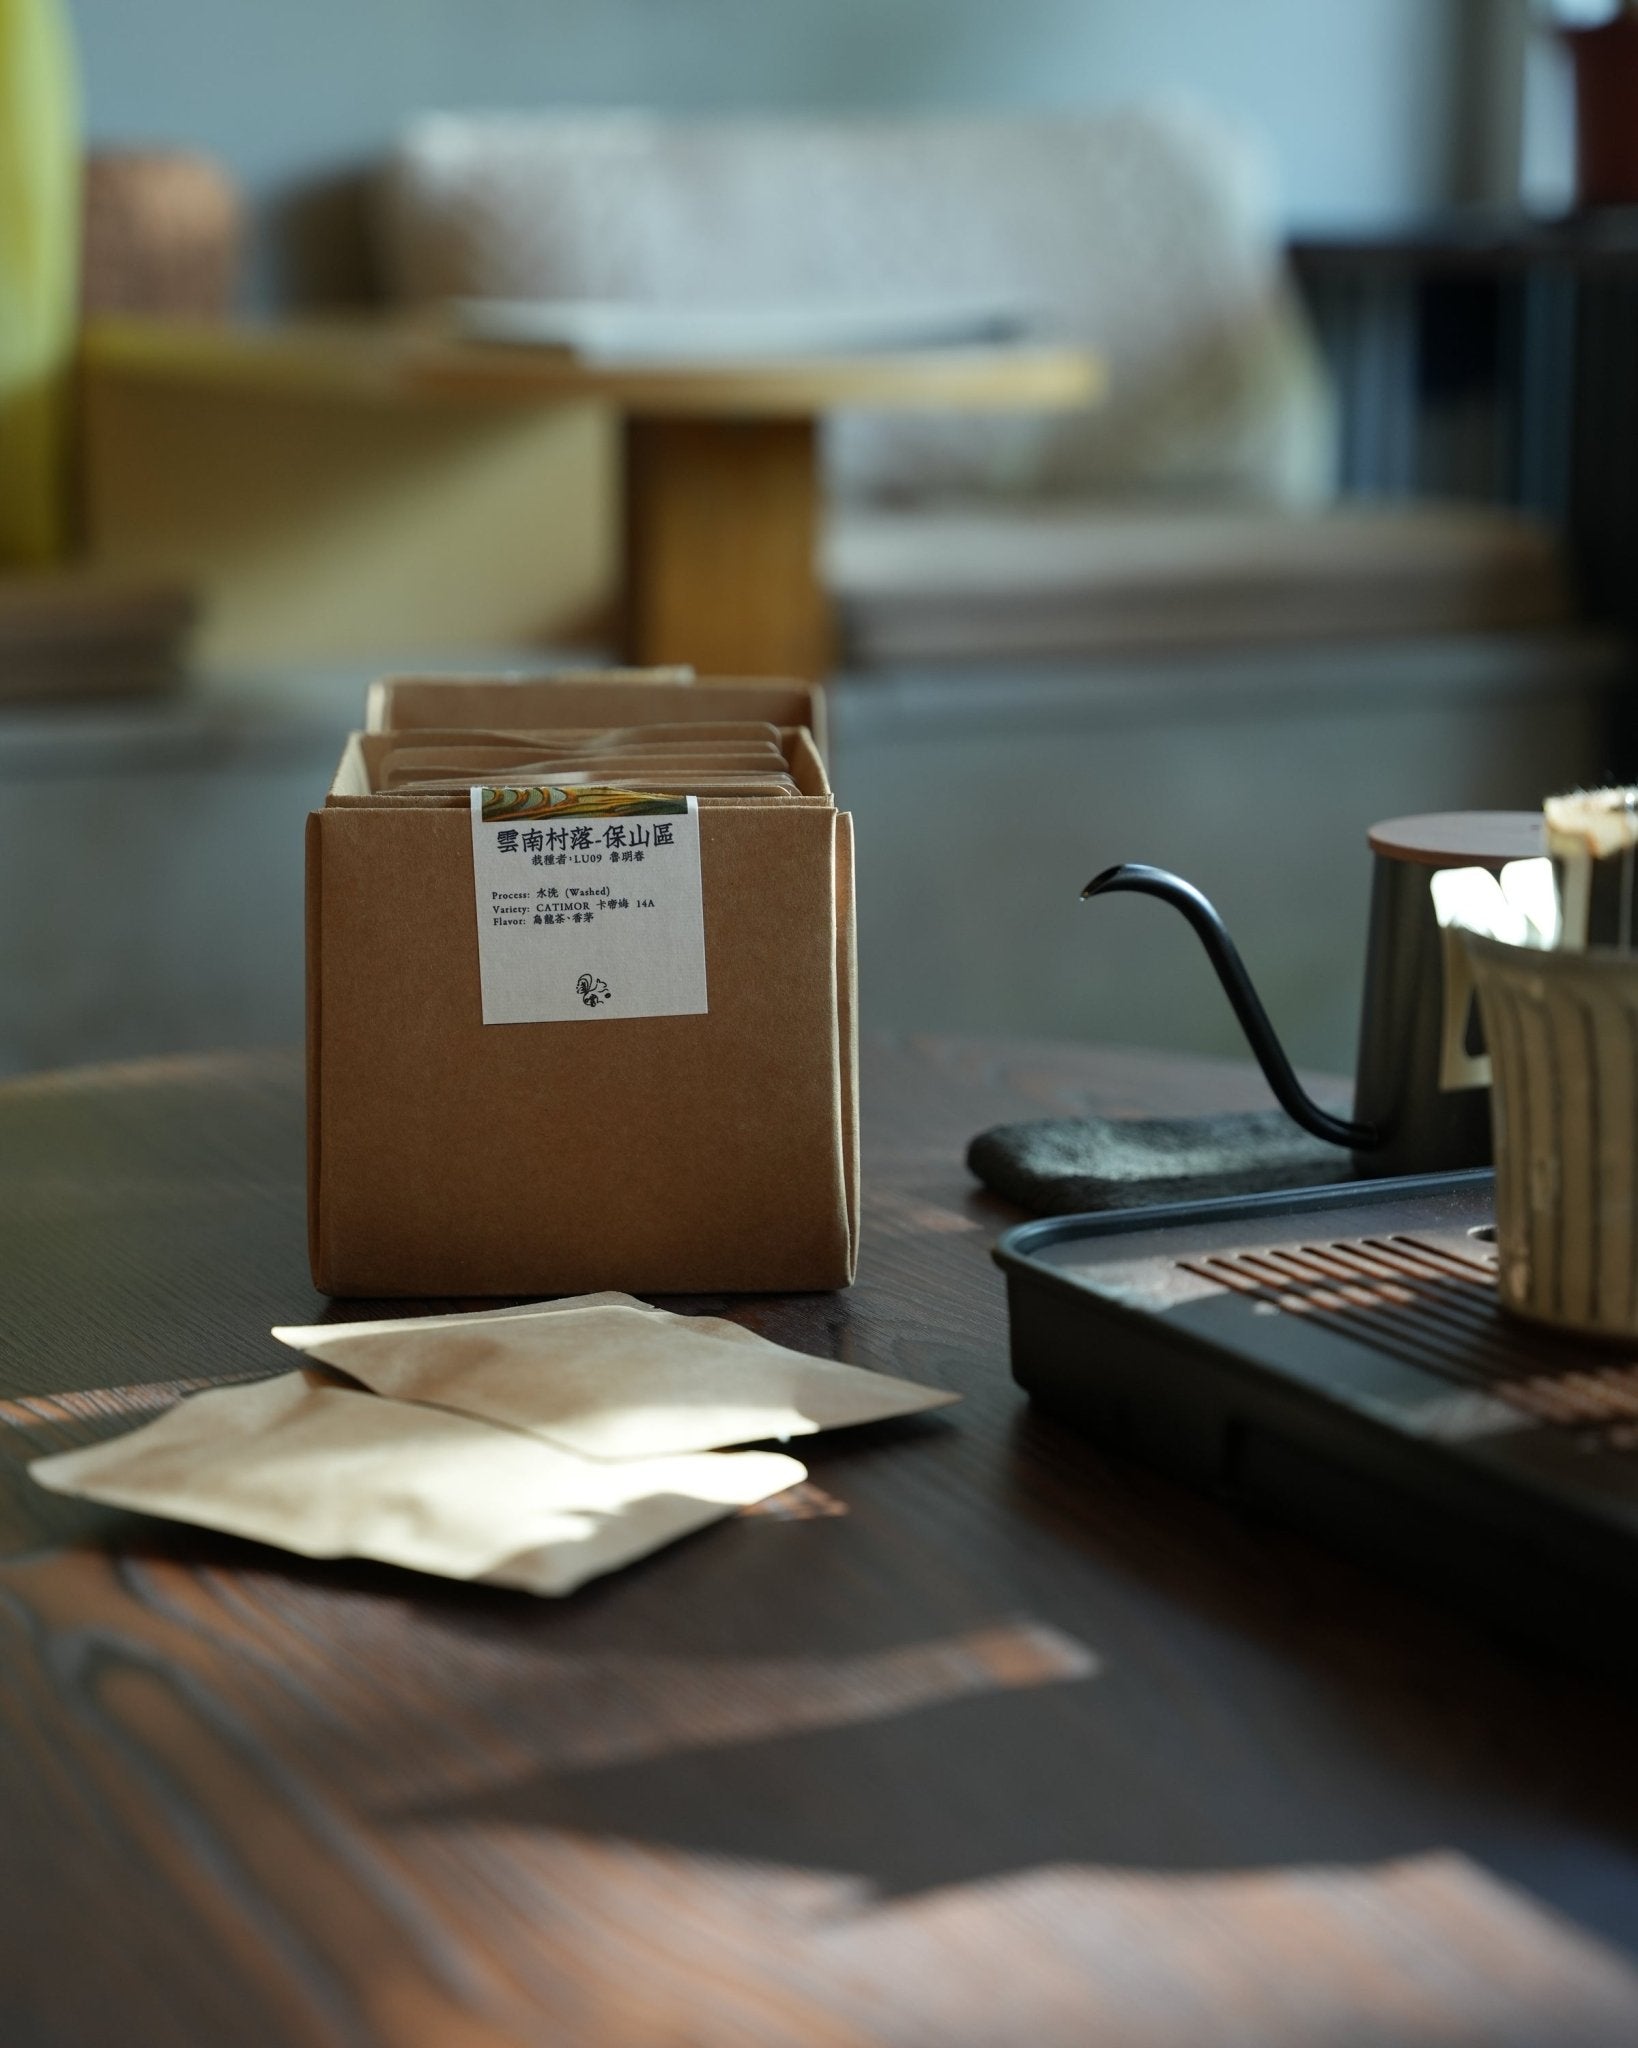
{"points": [[1243, 1703], [977, 1789], [1111, 1673]]}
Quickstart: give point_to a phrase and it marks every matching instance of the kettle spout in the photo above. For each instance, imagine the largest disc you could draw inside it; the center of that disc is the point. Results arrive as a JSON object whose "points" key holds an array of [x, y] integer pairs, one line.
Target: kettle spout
{"points": [[1134, 878]]}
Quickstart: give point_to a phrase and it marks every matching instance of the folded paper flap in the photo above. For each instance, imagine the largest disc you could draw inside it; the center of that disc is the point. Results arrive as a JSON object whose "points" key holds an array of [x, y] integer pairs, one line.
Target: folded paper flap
{"points": [[614, 1382], [329, 1473], [407, 700]]}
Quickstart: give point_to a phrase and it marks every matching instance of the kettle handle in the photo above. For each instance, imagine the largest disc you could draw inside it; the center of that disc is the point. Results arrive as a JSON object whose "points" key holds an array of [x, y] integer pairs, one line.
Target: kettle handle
{"points": [[1224, 956]]}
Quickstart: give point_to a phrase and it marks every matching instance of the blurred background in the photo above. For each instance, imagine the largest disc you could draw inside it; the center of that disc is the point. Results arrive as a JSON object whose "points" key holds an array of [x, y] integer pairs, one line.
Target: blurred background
{"points": [[1349, 533]]}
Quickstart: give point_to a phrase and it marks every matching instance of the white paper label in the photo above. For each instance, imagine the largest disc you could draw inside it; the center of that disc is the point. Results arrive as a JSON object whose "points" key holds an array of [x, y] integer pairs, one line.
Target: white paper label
{"points": [[588, 904]]}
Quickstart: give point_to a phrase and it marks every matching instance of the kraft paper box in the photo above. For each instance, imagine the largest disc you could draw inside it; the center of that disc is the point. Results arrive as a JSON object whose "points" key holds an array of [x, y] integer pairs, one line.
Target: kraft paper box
{"points": [[697, 1153]]}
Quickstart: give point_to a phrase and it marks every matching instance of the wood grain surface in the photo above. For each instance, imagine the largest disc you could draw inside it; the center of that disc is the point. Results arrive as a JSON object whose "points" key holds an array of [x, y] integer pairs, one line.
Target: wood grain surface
{"points": [[976, 1738]]}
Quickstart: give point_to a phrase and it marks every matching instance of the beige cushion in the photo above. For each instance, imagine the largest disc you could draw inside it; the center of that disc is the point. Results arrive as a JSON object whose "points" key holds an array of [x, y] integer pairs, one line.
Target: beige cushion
{"points": [[936, 584], [1146, 233]]}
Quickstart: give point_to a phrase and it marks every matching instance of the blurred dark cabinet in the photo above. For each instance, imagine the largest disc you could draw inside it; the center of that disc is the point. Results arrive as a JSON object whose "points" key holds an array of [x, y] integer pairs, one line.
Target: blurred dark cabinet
{"points": [[1494, 357]]}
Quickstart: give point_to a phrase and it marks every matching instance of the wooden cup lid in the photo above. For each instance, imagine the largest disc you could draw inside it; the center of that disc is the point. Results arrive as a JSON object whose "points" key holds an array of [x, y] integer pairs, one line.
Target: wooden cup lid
{"points": [[1460, 839]]}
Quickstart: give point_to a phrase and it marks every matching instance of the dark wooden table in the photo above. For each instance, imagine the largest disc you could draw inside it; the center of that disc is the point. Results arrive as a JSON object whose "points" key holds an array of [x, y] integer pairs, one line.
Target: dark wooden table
{"points": [[976, 1739]]}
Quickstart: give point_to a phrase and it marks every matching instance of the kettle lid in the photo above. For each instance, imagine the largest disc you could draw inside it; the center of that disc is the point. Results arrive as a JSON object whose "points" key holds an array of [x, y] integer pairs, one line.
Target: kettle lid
{"points": [[1460, 839]]}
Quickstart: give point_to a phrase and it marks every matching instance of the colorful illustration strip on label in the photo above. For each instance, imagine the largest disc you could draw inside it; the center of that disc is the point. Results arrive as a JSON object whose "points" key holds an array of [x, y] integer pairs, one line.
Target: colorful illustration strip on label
{"points": [[547, 801]]}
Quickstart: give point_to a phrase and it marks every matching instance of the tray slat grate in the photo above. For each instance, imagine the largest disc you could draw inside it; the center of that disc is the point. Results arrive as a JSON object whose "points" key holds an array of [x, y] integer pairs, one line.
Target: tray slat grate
{"points": [[1435, 1308]]}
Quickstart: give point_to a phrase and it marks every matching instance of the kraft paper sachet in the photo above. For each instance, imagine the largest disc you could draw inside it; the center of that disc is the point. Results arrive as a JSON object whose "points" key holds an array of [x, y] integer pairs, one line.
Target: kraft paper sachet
{"points": [[662, 776], [613, 1381], [476, 759], [694, 732], [329, 1473], [296, 1336], [482, 765]]}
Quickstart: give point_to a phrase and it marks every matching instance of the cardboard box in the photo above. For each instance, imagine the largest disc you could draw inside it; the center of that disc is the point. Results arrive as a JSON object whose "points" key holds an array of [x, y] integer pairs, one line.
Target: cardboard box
{"points": [[689, 1154]]}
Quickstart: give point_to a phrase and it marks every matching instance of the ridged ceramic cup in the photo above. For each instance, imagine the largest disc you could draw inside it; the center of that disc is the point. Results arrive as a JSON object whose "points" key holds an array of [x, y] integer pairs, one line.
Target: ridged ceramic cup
{"points": [[1562, 1029]]}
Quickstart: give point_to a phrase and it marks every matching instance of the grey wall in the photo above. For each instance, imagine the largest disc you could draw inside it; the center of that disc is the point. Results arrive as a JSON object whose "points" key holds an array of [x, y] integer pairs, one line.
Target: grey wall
{"points": [[169, 918], [982, 802], [1359, 99]]}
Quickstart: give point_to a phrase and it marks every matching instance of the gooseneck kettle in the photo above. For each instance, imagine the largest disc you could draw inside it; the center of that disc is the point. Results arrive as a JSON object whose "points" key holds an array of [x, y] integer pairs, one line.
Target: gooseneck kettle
{"points": [[1421, 1089]]}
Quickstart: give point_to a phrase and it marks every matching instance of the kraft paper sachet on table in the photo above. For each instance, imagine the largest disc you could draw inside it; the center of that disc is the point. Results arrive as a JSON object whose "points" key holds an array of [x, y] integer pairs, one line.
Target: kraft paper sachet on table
{"points": [[612, 1381], [304, 1337], [326, 1472], [607, 1299]]}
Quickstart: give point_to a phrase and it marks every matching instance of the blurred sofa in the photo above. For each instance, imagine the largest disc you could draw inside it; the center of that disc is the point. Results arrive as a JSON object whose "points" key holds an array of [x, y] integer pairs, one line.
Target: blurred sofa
{"points": [[1143, 631], [1192, 509]]}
